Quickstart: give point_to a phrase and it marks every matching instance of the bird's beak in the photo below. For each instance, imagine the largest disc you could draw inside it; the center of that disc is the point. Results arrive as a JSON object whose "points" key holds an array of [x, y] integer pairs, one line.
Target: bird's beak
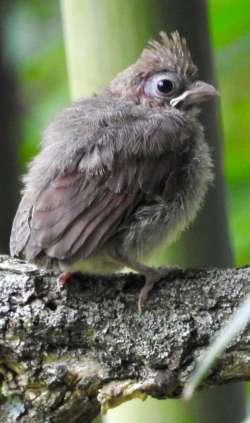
{"points": [[198, 92]]}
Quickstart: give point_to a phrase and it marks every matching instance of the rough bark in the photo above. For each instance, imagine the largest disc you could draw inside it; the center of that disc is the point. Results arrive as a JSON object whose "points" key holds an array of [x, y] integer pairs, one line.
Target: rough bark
{"points": [[65, 353]]}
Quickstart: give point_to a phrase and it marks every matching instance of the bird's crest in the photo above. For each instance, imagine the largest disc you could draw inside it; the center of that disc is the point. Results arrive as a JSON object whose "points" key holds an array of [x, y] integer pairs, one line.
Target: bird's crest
{"points": [[170, 53]]}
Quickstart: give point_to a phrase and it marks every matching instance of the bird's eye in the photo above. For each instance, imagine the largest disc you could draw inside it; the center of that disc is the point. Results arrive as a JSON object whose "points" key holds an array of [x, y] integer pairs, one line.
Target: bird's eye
{"points": [[165, 86], [162, 85]]}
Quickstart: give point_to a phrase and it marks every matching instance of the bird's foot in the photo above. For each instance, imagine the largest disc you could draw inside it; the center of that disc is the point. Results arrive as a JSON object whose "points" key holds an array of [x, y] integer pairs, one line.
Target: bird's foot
{"points": [[152, 276], [63, 278]]}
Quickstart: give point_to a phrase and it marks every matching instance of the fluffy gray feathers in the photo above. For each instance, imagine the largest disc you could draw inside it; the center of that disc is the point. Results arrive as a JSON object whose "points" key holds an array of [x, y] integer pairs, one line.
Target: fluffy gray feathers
{"points": [[113, 177]]}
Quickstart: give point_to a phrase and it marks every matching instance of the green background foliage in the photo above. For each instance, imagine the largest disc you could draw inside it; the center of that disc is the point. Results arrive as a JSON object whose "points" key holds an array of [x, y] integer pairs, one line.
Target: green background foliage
{"points": [[230, 31]]}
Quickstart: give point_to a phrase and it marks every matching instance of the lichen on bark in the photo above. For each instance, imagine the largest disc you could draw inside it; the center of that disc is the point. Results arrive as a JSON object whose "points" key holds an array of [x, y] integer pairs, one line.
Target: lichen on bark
{"points": [[67, 353]]}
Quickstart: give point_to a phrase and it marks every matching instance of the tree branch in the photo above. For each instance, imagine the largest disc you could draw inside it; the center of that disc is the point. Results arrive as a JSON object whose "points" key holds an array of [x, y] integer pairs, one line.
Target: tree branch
{"points": [[64, 353]]}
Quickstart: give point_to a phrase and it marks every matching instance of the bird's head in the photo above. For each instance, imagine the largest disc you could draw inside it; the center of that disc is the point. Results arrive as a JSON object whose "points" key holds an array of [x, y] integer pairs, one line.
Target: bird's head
{"points": [[164, 75]]}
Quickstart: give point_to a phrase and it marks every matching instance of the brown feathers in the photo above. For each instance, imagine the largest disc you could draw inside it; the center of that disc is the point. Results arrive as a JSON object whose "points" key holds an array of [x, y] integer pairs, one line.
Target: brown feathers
{"points": [[115, 173], [170, 53]]}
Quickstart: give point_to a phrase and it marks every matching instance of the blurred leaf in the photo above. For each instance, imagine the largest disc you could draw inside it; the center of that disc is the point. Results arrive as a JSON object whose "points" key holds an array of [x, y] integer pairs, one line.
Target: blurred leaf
{"points": [[229, 19], [230, 29]]}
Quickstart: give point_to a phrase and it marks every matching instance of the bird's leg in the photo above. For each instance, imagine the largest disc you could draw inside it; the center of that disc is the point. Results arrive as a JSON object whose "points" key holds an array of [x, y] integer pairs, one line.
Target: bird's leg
{"points": [[63, 278], [152, 276]]}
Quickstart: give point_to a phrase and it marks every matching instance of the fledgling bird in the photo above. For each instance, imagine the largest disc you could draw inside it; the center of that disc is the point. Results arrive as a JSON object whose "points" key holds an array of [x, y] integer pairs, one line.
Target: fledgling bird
{"points": [[119, 172]]}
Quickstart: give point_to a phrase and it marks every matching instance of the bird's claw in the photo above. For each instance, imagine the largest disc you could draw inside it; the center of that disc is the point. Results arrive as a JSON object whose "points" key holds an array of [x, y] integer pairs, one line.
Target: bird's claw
{"points": [[151, 278], [63, 278]]}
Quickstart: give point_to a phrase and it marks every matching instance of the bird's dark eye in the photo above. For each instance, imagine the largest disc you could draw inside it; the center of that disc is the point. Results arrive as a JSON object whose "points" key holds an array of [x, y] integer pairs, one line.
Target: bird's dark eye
{"points": [[162, 85], [165, 86]]}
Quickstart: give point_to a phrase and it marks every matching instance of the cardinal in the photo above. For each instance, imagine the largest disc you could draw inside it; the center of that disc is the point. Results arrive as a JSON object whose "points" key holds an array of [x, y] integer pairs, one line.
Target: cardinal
{"points": [[120, 172]]}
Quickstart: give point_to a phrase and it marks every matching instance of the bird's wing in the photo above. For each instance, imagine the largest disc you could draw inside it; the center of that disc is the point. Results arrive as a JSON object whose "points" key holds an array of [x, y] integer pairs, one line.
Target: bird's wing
{"points": [[74, 215], [20, 232], [77, 193]]}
